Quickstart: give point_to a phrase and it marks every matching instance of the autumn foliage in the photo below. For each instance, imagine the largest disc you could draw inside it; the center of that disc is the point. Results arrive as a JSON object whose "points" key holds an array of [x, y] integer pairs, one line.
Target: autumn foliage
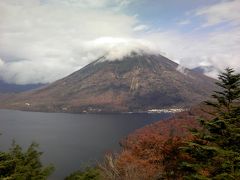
{"points": [[152, 152]]}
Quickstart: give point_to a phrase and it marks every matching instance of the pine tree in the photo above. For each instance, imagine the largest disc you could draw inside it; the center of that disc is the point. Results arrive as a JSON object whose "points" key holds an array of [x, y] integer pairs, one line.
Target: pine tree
{"points": [[227, 98], [90, 173], [23, 165], [214, 152]]}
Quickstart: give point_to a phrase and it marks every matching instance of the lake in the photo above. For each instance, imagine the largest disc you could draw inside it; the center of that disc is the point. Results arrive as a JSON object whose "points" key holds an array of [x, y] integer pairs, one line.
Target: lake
{"points": [[70, 141]]}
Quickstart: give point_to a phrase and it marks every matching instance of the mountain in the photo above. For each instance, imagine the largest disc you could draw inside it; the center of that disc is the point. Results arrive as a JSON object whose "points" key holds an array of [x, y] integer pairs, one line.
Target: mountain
{"points": [[137, 82], [15, 88]]}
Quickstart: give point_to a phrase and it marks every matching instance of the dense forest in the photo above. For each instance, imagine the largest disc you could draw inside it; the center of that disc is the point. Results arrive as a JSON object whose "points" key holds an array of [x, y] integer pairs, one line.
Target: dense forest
{"points": [[203, 143]]}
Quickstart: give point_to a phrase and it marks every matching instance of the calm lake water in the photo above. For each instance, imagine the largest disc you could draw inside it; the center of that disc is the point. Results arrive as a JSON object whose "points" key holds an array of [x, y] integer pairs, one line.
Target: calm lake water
{"points": [[70, 141]]}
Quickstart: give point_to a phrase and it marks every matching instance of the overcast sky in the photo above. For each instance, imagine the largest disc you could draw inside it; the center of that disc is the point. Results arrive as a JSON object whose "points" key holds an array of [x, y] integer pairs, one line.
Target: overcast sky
{"points": [[44, 40]]}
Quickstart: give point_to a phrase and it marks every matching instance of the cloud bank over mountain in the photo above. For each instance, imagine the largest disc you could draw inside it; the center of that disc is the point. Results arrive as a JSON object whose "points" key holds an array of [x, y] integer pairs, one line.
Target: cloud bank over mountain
{"points": [[44, 40]]}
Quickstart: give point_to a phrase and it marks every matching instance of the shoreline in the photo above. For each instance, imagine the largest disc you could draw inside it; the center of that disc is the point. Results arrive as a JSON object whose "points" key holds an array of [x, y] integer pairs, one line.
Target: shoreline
{"points": [[151, 111]]}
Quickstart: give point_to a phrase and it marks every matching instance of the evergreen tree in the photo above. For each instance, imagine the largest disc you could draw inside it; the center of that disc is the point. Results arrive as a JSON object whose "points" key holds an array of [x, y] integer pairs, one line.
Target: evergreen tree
{"points": [[227, 99], [214, 152], [87, 174], [20, 165], [171, 159]]}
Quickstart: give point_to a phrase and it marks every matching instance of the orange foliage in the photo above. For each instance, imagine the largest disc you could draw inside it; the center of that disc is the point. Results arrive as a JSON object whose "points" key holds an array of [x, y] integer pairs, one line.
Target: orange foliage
{"points": [[153, 151]]}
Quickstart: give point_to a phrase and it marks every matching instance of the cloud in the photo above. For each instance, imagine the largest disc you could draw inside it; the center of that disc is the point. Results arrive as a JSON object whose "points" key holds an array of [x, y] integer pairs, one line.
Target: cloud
{"points": [[226, 11], [44, 40], [82, 3], [219, 48], [141, 27], [184, 22], [1, 63], [114, 4], [117, 48], [182, 70]]}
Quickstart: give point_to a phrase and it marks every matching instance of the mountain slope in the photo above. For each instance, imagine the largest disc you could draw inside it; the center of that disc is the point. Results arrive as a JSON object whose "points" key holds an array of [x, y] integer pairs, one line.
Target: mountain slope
{"points": [[134, 83]]}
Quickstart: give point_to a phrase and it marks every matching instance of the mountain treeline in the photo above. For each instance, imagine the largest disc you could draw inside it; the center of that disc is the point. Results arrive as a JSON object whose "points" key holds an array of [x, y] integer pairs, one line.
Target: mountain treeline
{"points": [[210, 149]]}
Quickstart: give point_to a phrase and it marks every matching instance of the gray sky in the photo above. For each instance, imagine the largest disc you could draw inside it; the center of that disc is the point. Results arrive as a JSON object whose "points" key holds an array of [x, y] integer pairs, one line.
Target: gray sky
{"points": [[44, 40]]}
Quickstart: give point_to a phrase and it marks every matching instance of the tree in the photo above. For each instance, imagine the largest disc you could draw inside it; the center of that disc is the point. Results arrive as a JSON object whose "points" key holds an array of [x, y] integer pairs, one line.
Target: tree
{"points": [[171, 158], [228, 97], [17, 164], [86, 174], [214, 152]]}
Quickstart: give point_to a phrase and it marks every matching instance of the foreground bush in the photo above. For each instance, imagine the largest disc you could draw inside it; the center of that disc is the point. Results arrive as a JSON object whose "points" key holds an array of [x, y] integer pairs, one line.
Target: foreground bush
{"points": [[87, 174], [23, 165]]}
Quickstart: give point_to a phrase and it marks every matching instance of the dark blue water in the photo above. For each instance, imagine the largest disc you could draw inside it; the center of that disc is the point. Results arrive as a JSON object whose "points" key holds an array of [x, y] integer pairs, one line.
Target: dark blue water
{"points": [[70, 141]]}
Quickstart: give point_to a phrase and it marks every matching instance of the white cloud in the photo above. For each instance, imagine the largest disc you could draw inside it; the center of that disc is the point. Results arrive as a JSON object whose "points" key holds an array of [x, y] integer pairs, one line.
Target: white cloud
{"points": [[116, 48], [182, 70], [82, 3], [42, 41], [212, 47], [226, 11], [141, 27], [125, 2], [1, 63], [184, 22], [219, 48], [115, 4]]}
